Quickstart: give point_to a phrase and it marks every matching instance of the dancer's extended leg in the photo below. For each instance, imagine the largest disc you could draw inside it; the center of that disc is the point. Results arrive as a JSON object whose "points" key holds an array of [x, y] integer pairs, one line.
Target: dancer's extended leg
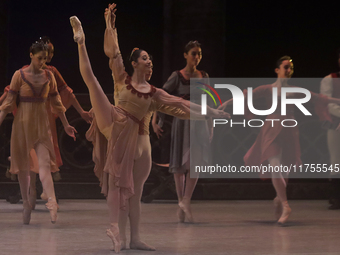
{"points": [[100, 103]]}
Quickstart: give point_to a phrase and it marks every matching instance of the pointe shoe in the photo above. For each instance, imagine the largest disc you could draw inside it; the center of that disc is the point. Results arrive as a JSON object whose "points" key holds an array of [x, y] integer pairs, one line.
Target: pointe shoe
{"points": [[52, 206], [277, 208], [78, 33], [285, 214], [26, 214], [33, 198], [43, 196], [185, 206], [113, 233], [180, 215]]}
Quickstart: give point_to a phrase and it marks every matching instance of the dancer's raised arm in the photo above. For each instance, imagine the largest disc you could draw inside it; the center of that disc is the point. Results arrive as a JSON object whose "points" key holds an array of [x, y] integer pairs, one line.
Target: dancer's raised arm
{"points": [[111, 47]]}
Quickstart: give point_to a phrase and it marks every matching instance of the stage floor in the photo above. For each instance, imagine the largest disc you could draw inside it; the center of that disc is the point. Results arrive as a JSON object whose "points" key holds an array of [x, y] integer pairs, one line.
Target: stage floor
{"points": [[223, 227]]}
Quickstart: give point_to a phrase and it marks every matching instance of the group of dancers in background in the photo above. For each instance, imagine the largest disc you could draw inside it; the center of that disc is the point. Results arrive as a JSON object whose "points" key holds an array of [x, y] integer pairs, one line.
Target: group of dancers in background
{"points": [[120, 132]]}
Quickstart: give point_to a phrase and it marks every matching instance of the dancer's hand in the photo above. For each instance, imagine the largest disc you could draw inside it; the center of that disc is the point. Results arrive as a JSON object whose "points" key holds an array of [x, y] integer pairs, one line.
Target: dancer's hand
{"points": [[215, 113], [86, 116], [70, 131], [222, 107], [225, 104], [157, 129], [110, 16]]}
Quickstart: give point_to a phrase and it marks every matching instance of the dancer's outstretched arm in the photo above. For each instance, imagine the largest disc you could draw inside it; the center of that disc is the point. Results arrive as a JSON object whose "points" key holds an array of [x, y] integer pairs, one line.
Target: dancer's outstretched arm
{"points": [[183, 109], [100, 103], [111, 48]]}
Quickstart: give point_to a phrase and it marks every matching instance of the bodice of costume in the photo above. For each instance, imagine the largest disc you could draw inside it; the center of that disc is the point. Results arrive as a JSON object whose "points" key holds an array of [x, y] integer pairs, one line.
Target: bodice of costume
{"points": [[32, 93], [178, 85], [136, 105]]}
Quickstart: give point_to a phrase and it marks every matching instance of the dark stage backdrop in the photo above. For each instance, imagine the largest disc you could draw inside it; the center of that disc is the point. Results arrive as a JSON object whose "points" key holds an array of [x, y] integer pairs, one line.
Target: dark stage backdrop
{"points": [[238, 39]]}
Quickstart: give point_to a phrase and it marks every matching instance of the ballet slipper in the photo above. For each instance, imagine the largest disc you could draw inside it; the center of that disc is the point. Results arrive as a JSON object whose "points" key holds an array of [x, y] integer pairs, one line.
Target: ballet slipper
{"points": [[52, 206], [33, 198], [139, 245], [285, 214], [113, 233], [26, 214], [78, 33], [277, 208], [185, 206], [180, 215]]}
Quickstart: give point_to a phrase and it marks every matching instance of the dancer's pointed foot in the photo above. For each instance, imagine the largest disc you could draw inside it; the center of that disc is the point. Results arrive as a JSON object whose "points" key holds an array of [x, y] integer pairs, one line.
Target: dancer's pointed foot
{"points": [[52, 206], [78, 33], [185, 206], [139, 245], [180, 215], [277, 208], [33, 198], [285, 214], [26, 214], [113, 233]]}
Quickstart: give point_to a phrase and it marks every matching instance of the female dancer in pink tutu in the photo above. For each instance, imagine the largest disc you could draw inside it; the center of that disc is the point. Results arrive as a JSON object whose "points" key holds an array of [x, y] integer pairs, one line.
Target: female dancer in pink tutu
{"points": [[126, 164]]}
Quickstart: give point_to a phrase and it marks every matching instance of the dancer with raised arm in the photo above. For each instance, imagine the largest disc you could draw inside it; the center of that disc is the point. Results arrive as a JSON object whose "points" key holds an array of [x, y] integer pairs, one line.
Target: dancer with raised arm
{"points": [[278, 145], [181, 133], [30, 126], [125, 166]]}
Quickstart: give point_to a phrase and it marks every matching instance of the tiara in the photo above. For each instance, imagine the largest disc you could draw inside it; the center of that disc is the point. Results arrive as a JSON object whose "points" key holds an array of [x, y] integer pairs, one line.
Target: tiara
{"points": [[134, 49]]}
